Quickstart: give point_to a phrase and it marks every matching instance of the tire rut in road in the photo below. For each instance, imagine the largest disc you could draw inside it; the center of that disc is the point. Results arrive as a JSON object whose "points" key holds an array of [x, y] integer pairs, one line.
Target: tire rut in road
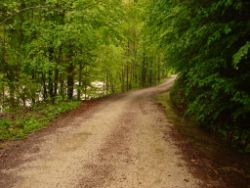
{"points": [[114, 153]]}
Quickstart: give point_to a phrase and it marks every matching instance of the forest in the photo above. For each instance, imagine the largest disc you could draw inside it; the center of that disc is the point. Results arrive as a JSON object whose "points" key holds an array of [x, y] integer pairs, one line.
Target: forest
{"points": [[52, 51]]}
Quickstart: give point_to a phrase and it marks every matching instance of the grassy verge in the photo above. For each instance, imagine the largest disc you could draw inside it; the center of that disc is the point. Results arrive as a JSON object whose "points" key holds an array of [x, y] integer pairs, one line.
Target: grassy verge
{"points": [[232, 165], [202, 140], [185, 126], [18, 123]]}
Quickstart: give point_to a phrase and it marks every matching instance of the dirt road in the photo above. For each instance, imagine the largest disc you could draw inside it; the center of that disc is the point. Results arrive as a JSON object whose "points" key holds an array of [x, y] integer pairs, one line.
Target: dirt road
{"points": [[121, 142]]}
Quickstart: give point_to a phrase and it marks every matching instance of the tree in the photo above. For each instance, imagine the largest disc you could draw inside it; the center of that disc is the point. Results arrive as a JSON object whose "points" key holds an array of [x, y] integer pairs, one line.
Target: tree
{"points": [[207, 42]]}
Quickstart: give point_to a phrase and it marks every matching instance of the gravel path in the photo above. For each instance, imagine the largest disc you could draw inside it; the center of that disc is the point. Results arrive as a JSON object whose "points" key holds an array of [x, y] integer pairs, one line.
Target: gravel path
{"points": [[123, 142]]}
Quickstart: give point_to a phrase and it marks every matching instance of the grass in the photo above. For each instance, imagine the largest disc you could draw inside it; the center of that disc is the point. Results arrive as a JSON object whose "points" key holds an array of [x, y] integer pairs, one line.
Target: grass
{"points": [[18, 123]]}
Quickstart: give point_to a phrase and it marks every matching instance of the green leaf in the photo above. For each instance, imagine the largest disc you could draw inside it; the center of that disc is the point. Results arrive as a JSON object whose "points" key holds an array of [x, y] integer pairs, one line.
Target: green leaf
{"points": [[240, 54]]}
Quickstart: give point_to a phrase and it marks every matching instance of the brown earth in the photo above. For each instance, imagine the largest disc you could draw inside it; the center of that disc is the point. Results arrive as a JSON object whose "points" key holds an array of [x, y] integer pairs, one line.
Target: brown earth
{"points": [[122, 141]]}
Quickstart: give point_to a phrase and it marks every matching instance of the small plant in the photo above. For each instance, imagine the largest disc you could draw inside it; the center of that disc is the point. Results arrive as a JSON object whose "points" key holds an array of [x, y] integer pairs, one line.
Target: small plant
{"points": [[36, 118], [4, 129]]}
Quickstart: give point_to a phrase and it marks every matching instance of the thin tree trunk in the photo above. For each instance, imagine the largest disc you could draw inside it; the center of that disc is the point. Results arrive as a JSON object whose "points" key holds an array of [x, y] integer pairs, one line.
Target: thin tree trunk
{"points": [[56, 72], [159, 69], [70, 81], [143, 71], [79, 89], [62, 92], [12, 93], [50, 86], [44, 87], [33, 95]]}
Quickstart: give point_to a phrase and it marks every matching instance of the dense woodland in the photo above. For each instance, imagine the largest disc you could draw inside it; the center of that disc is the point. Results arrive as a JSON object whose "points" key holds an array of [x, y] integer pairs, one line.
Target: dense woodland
{"points": [[52, 50], [208, 44]]}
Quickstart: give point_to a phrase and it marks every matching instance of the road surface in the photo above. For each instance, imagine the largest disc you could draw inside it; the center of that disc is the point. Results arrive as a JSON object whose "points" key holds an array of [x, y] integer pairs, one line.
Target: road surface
{"points": [[121, 142]]}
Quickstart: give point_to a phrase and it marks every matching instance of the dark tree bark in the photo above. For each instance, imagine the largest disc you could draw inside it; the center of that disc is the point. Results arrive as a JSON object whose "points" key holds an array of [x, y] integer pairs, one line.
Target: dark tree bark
{"points": [[50, 86], [56, 73], [45, 94], [70, 80], [79, 89], [143, 71], [62, 92]]}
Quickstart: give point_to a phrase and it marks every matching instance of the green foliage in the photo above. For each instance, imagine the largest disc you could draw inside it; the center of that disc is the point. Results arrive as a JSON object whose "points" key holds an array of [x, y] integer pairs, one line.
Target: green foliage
{"points": [[241, 54], [207, 42], [4, 128], [34, 119], [54, 49]]}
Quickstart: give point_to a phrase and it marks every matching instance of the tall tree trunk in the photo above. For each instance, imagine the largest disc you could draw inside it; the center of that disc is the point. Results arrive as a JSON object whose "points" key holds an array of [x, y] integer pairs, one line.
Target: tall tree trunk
{"points": [[33, 94], [107, 83], [85, 82], [20, 30], [159, 69], [50, 74], [56, 73], [143, 71], [45, 94], [123, 79], [2, 100], [151, 73], [62, 92], [127, 76], [12, 93], [79, 89], [70, 80], [50, 86]]}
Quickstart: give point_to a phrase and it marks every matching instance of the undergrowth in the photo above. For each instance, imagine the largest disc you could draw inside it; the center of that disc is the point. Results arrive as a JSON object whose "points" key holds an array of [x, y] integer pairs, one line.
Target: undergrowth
{"points": [[231, 163], [18, 123]]}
